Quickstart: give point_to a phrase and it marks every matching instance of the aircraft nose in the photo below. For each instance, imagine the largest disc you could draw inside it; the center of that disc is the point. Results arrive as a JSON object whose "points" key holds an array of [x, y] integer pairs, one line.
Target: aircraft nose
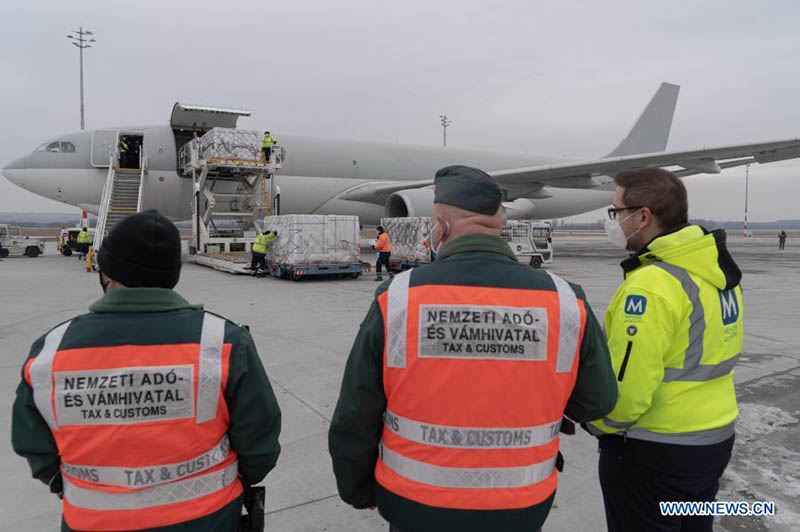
{"points": [[13, 171]]}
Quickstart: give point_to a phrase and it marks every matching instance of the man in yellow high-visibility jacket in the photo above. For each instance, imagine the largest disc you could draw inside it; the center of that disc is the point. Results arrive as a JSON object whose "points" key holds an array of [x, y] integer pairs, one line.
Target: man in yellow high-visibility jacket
{"points": [[84, 241], [260, 245], [266, 145], [674, 331]]}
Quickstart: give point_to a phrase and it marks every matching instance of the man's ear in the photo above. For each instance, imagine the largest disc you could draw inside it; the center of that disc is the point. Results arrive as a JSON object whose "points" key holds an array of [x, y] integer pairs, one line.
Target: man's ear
{"points": [[646, 217]]}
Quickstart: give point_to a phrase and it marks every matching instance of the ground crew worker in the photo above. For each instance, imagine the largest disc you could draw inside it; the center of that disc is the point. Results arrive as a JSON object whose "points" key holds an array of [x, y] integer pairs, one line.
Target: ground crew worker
{"points": [[384, 246], [148, 411], [473, 340], [90, 259], [266, 145], [123, 153], [781, 240], [84, 241], [674, 331], [259, 252]]}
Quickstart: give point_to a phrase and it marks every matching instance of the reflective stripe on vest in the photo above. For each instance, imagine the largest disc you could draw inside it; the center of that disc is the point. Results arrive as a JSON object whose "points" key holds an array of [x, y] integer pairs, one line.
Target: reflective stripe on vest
{"points": [[153, 475], [174, 492], [41, 374], [569, 324], [463, 477], [692, 370], [697, 437], [397, 317], [209, 371], [471, 437]]}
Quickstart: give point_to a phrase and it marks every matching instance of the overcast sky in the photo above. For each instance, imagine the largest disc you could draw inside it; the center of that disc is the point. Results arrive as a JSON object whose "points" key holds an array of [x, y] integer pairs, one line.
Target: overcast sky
{"points": [[565, 79]]}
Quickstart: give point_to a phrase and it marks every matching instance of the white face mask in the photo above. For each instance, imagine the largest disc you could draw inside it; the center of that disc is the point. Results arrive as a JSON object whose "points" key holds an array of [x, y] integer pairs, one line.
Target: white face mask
{"points": [[615, 233], [437, 246]]}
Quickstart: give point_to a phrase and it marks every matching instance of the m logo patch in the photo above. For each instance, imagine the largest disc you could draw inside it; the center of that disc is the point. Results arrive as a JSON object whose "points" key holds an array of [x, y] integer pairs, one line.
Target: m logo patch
{"points": [[729, 305], [635, 305]]}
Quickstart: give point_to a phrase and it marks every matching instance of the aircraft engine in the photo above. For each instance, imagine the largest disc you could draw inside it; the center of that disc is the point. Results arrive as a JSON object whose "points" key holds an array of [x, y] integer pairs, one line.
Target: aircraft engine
{"points": [[409, 202]]}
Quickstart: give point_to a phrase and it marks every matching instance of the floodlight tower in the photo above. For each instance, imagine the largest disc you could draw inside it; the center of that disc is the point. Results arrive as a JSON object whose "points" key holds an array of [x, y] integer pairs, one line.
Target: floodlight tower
{"points": [[79, 39], [445, 124]]}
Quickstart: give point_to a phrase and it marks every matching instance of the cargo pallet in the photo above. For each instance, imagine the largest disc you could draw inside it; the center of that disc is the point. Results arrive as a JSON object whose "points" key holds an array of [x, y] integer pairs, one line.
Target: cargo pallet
{"points": [[296, 272]]}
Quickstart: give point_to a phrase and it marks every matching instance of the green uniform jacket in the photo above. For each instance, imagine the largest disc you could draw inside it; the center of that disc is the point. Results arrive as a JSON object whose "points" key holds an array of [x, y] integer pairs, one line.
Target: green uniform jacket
{"points": [[675, 331], [147, 316], [472, 260]]}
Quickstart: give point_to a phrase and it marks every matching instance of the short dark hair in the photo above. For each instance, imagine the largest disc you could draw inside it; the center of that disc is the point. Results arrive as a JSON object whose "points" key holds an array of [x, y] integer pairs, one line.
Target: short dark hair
{"points": [[657, 189]]}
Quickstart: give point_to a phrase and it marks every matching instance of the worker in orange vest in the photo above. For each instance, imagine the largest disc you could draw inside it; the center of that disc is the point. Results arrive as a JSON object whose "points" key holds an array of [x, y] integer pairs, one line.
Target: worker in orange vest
{"points": [[384, 246], [460, 376], [148, 412]]}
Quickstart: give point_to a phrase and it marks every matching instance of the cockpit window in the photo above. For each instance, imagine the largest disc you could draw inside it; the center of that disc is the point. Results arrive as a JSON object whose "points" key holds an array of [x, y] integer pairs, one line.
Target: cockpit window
{"points": [[56, 147]]}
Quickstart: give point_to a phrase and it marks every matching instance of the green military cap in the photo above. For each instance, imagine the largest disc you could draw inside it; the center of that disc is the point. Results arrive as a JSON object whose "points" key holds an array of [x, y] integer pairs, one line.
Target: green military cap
{"points": [[468, 188]]}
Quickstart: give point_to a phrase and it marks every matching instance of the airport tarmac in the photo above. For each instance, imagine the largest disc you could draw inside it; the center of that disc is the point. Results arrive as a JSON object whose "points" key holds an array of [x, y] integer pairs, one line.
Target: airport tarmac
{"points": [[304, 330]]}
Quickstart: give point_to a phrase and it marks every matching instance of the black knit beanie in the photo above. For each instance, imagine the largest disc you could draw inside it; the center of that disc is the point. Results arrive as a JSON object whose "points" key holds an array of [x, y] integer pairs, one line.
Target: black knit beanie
{"points": [[143, 250]]}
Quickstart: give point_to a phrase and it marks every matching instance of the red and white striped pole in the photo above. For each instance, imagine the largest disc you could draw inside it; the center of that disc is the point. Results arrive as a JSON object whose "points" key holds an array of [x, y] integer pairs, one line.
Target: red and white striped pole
{"points": [[746, 190]]}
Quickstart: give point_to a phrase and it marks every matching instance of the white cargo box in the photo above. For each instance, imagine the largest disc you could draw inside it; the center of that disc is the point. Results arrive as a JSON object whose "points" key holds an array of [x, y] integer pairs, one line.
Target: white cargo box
{"points": [[408, 238], [230, 144], [305, 239]]}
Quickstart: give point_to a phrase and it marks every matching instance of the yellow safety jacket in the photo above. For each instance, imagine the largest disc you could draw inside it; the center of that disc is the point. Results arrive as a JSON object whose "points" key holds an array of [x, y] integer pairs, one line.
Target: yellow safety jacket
{"points": [[269, 238], [267, 141], [261, 243], [675, 331], [84, 237]]}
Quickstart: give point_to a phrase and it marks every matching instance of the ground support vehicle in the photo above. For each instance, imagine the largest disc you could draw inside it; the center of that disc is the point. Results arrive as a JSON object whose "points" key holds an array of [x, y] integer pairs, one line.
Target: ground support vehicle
{"points": [[13, 243], [68, 240], [297, 272], [531, 241], [231, 183]]}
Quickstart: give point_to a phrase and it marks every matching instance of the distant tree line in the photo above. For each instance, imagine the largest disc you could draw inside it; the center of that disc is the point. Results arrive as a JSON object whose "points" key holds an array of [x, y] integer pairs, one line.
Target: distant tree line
{"points": [[71, 220], [708, 224]]}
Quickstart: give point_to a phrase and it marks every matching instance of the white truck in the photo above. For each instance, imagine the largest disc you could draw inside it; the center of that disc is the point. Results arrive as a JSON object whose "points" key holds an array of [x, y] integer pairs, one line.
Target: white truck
{"points": [[531, 241], [13, 243]]}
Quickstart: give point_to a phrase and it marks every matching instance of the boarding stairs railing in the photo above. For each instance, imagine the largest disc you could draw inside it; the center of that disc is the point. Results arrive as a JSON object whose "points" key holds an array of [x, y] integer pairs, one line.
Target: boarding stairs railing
{"points": [[122, 195]]}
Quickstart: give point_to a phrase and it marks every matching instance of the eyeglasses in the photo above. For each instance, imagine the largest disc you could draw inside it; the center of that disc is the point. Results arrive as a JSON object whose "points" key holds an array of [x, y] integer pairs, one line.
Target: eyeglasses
{"points": [[612, 211]]}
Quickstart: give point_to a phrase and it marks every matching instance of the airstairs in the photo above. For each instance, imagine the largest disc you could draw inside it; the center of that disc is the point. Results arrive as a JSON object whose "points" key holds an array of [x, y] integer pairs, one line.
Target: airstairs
{"points": [[122, 195]]}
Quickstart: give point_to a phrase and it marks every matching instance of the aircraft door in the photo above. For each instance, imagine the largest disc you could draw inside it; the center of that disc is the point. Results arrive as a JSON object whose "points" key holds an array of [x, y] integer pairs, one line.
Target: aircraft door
{"points": [[130, 149], [103, 145]]}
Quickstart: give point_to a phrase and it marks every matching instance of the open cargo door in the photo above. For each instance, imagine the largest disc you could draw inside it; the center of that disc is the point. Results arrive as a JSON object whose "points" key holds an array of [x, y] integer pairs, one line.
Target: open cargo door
{"points": [[201, 118]]}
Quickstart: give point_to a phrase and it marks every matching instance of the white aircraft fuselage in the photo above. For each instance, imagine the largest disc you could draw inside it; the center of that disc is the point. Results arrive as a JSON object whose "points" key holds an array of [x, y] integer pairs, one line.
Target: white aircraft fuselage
{"points": [[316, 173], [371, 179]]}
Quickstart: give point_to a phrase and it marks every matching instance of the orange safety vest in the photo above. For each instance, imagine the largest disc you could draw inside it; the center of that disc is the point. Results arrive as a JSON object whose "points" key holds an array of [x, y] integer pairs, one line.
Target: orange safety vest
{"points": [[476, 382], [383, 243], [141, 429]]}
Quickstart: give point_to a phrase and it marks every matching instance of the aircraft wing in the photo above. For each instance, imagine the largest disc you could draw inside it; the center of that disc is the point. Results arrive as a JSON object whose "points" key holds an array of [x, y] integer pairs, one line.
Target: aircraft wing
{"points": [[704, 160], [529, 182]]}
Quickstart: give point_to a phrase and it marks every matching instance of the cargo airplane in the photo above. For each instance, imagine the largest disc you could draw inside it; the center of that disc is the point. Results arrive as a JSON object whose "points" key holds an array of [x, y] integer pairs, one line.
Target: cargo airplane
{"points": [[371, 179]]}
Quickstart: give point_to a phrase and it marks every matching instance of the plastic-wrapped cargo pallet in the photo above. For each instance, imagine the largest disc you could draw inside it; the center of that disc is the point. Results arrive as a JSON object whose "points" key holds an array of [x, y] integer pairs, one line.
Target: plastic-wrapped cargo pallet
{"points": [[313, 239], [235, 144], [407, 236]]}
